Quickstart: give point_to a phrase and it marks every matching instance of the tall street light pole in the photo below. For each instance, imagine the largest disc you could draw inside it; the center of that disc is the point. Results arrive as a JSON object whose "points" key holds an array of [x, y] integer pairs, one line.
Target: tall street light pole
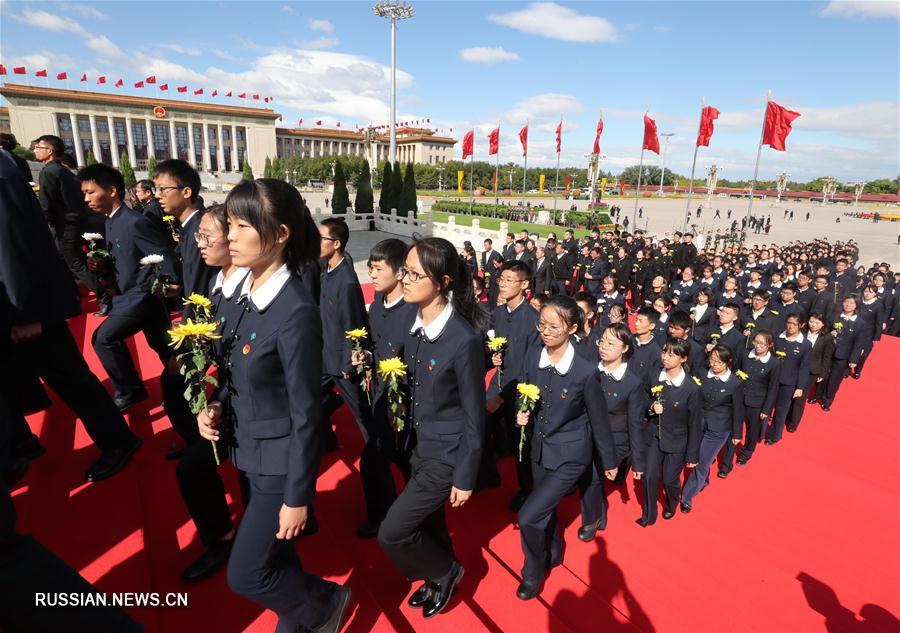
{"points": [[393, 10], [662, 175]]}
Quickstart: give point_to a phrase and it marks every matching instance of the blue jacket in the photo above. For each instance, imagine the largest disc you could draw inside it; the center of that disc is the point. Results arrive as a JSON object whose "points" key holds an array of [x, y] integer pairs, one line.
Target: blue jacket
{"points": [[342, 309], [723, 404], [196, 276], [761, 385], [678, 428], [519, 328], [795, 362], [626, 402]]}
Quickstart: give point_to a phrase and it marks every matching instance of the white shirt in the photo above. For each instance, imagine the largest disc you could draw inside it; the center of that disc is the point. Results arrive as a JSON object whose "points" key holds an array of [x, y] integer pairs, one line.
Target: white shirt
{"points": [[763, 359], [700, 310], [564, 365], [114, 212], [436, 327], [726, 330], [391, 304], [617, 373], [724, 377], [812, 338], [756, 314], [188, 218], [510, 311], [799, 338], [330, 268], [266, 293], [228, 286], [678, 379], [848, 318]]}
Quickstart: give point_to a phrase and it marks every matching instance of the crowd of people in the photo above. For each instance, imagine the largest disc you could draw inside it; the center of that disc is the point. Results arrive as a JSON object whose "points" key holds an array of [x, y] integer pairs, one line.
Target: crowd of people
{"points": [[581, 359]]}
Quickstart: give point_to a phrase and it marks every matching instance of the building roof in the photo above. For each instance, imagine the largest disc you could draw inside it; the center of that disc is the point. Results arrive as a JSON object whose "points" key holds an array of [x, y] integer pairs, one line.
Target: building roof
{"points": [[359, 135], [83, 96]]}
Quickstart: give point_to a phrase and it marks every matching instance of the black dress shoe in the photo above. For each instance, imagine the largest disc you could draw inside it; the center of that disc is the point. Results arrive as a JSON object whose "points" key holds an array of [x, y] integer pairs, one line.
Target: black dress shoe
{"points": [[104, 309], [791, 429], [442, 592], [668, 514], [742, 462], [112, 461], [723, 474], [175, 453], [334, 621], [642, 522], [826, 407], [587, 532], [769, 442], [855, 375], [125, 401], [528, 590], [209, 562], [369, 529], [812, 401], [420, 596], [518, 500], [29, 448]]}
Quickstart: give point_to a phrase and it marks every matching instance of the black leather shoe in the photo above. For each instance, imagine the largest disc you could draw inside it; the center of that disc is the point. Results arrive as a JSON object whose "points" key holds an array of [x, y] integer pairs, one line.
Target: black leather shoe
{"points": [[528, 590], [175, 453], [723, 474], [334, 621], [112, 461], [420, 596], [770, 442], [668, 514], [209, 562], [369, 529], [686, 508], [518, 500], [587, 532], [125, 401], [642, 522], [812, 401], [442, 592], [104, 310], [742, 462], [826, 407], [30, 448], [791, 429], [855, 375]]}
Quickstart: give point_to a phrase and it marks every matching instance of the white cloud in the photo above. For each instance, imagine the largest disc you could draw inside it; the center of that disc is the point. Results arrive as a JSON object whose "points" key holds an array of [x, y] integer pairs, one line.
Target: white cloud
{"points": [[218, 52], [874, 120], [321, 43], [104, 47], [321, 25], [558, 22], [182, 50], [55, 62], [487, 55], [165, 69], [83, 10], [544, 108], [286, 9], [662, 29], [50, 22], [862, 9]]}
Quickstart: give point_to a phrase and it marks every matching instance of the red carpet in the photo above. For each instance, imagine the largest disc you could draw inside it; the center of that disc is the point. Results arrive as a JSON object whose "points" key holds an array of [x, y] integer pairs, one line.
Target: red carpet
{"points": [[805, 538]]}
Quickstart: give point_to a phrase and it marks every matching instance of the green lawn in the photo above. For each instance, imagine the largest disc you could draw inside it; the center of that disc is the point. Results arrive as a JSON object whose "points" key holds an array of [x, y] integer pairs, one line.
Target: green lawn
{"points": [[493, 224]]}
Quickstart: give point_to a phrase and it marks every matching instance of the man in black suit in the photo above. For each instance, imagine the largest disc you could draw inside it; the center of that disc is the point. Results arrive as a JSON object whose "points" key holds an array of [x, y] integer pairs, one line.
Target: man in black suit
{"points": [[37, 295], [562, 265], [63, 205], [145, 192], [543, 280], [491, 261], [509, 248]]}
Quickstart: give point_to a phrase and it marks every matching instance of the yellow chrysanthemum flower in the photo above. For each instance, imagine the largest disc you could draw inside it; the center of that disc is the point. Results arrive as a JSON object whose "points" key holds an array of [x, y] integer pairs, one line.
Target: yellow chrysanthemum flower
{"points": [[496, 343], [529, 392], [358, 334], [750, 325], [391, 368], [199, 301], [190, 330], [656, 390], [696, 380], [780, 354], [168, 218], [838, 326], [742, 375]]}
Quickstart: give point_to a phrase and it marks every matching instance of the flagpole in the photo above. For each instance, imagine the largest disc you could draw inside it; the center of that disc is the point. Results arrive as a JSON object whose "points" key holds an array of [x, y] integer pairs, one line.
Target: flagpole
{"points": [[637, 195], [472, 176], [556, 187], [497, 173], [756, 169], [687, 208], [525, 170]]}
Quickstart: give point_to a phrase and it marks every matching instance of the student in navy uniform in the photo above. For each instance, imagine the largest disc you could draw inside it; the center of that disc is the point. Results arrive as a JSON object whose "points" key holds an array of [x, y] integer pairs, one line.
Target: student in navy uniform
{"points": [[794, 349], [626, 403], [729, 293], [680, 325], [199, 481], [342, 309], [444, 355], [610, 295], [785, 305], [571, 431], [514, 320], [871, 311], [727, 332], [645, 361], [851, 335], [684, 291], [762, 370], [722, 395], [759, 314], [672, 433], [595, 272], [820, 358], [490, 264], [272, 402], [37, 295], [509, 247], [145, 192], [130, 237], [703, 315]]}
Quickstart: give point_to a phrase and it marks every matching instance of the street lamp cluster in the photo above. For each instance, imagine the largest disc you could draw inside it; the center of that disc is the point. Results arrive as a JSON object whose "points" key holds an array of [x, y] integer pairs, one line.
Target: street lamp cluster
{"points": [[393, 10]]}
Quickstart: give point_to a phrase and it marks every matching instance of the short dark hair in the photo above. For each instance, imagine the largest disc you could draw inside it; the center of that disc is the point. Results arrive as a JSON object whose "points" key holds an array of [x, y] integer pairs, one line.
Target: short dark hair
{"points": [[182, 173], [681, 319], [217, 211], [146, 184], [623, 334], [789, 285], [390, 251], [651, 314], [724, 352], [8, 141], [338, 230], [565, 307], [678, 346], [521, 268], [104, 176], [56, 143]]}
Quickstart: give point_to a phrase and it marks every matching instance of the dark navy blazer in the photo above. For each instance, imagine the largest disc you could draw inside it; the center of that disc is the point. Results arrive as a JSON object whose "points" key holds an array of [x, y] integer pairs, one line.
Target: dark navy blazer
{"points": [[761, 385], [723, 404], [342, 309], [196, 276], [519, 328], [626, 402], [795, 362], [852, 339], [678, 428], [389, 329]]}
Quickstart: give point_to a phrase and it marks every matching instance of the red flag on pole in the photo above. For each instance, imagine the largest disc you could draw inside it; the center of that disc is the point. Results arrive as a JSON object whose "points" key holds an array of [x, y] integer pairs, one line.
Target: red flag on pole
{"points": [[468, 144], [256, 97], [523, 138], [319, 122], [62, 76], [558, 137], [41, 73], [19, 70], [215, 92], [139, 84], [182, 88], [83, 77], [778, 125], [101, 79], [2, 69], [597, 136], [300, 123], [198, 91], [120, 83], [243, 95], [151, 79], [228, 94], [163, 87], [494, 142], [651, 140], [708, 115]]}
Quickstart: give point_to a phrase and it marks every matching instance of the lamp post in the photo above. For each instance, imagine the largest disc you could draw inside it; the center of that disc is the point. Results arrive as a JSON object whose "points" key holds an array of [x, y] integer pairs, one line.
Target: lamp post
{"points": [[781, 184], [393, 10], [857, 192], [440, 171], [662, 175], [829, 187]]}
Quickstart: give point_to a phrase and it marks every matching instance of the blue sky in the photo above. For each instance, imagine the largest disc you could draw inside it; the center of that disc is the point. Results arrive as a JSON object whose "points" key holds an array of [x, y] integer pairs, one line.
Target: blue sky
{"points": [[470, 65]]}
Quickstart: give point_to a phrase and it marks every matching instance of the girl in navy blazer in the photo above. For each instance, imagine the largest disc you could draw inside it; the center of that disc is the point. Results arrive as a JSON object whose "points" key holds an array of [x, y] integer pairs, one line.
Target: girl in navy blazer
{"points": [[794, 350], [571, 427], [272, 400], [820, 358], [851, 335], [444, 355]]}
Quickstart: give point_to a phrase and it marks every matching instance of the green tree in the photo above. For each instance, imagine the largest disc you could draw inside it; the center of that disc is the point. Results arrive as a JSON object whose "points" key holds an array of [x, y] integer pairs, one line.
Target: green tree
{"points": [[651, 176], [277, 168], [408, 195], [384, 199], [91, 159], [267, 170], [340, 199], [248, 171], [151, 166], [396, 195], [24, 152], [365, 198], [127, 170]]}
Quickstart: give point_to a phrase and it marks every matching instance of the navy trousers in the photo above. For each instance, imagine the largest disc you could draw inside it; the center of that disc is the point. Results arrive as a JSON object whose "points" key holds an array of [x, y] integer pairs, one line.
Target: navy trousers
{"points": [[671, 465], [710, 445], [782, 408]]}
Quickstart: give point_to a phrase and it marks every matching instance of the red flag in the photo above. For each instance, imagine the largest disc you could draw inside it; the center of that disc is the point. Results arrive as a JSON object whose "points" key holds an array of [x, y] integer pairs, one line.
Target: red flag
{"points": [[228, 94], [256, 97], [2, 69], [19, 70], [778, 125], [300, 124], [558, 137], [83, 77], [198, 91], [243, 95], [267, 99], [151, 79], [707, 116], [651, 140], [339, 124], [468, 145], [215, 92], [62, 76], [120, 83], [319, 122], [101, 79], [163, 87], [597, 136], [494, 142], [182, 88], [139, 84], [41, 73], [523, 138]]}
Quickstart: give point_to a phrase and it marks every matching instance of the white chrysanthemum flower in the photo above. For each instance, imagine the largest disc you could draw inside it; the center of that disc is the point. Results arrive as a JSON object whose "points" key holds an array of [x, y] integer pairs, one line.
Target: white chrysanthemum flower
{"points": [[491, 334], [151, 260], [91, 237]]}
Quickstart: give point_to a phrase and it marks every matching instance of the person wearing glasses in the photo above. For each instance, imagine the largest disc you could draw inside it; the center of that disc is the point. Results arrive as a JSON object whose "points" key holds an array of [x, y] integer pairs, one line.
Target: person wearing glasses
{"points": [[571, 436], [63, 204], [626, 403], [146, 203], [444, 357], [722, 393], [794, 350]]}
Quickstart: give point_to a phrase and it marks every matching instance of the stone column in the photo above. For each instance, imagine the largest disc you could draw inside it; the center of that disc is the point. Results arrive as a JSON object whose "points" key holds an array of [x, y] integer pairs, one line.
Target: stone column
{"points": [[173, 144], [95, 138], [150, 149], [129, 134], [247, 146], [207, 161], [221, 149], [113, 141], [191, 146], [234, 152], [76, 140]]}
